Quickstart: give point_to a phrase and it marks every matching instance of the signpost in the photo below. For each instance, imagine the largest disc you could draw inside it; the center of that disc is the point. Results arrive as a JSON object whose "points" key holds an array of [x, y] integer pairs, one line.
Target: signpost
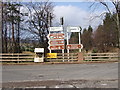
{"points": [[56, 40], [74, 46]]}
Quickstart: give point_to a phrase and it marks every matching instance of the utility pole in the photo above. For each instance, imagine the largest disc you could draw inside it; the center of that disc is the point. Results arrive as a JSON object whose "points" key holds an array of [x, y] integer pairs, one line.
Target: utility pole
{"points": [[62, 22], [50, 18]]}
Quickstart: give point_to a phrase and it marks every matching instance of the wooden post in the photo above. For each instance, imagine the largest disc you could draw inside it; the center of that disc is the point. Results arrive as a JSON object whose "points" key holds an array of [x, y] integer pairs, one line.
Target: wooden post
{"points": [[80, 57], [18, 58]]}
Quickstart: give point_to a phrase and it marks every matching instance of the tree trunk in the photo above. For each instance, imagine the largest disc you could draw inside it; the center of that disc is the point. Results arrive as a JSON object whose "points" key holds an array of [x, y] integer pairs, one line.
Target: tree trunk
{"points": [[5, 37], [13, 39], [18, 37], [118, 27], [1, 25]]}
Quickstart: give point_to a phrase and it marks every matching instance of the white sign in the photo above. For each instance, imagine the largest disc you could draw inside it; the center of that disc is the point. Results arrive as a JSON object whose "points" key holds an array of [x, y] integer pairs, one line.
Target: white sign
{"points": [[73, 29], [39, 50], [55, 28]]}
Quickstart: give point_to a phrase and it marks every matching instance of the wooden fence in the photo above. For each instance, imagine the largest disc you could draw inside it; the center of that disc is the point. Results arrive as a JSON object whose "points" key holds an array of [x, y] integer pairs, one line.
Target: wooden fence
{"points": [[66, 57], [18, 57], [101, 57]]}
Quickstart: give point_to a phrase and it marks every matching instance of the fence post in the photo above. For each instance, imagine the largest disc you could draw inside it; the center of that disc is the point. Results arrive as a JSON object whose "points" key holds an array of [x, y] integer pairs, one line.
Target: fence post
{"points": [[80, 57], [18, 58]]}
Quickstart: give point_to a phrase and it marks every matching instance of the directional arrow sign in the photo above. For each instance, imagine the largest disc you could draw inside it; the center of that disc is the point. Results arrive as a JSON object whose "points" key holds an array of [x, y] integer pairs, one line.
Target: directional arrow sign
{"points": [[56, 47], [55, 36], [56, 42], [74, 46]]}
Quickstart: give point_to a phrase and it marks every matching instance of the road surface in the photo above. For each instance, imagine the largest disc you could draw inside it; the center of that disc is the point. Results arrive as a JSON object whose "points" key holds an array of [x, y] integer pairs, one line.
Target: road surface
{"points": [[106, 72]]}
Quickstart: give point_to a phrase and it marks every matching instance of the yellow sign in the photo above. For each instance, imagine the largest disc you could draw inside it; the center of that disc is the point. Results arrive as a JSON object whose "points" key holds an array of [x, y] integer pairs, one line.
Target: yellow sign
{"points": [[51, 55]]}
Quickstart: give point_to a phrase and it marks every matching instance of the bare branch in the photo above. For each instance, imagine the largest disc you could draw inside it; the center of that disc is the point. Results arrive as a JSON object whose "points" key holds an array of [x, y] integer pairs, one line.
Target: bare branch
{"points": [[98, 16], [106, 7]]}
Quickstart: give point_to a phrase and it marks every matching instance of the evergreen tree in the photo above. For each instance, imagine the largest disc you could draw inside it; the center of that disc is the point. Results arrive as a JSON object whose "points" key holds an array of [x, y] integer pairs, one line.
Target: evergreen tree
{"points": [[87, 39], [74, 39], [106, 35]]}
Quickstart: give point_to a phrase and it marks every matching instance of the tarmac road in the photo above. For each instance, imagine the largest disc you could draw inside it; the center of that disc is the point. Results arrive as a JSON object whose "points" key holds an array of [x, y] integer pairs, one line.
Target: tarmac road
{"points": [[94, 71], [62, 72]]}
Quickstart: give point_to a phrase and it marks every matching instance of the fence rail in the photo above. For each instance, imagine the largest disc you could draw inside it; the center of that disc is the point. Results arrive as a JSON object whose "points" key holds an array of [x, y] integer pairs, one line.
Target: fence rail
{"points": [[101, 57], [61, 57], [64, 57], [19, 57]]}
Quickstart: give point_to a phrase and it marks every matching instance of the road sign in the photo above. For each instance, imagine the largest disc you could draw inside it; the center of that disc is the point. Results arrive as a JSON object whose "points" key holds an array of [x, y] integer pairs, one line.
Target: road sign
{"points": [[51, 55], [56, 47], [73, 29], [55, 28], [56, 42], [74, 46], [40, 50], [56, 36]]}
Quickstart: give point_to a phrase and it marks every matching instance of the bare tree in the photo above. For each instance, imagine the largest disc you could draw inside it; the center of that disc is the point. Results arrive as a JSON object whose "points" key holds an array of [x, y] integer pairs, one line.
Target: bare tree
{"points": [[39, 20]]}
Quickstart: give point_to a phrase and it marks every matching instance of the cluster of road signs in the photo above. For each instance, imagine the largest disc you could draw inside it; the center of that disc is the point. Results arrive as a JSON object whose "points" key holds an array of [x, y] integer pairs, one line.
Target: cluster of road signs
{"points": [[70, 46], [56, 40]]}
